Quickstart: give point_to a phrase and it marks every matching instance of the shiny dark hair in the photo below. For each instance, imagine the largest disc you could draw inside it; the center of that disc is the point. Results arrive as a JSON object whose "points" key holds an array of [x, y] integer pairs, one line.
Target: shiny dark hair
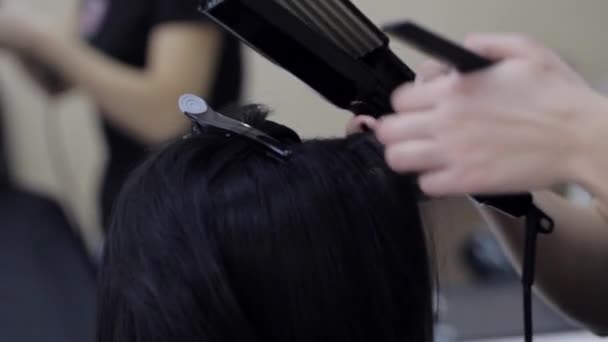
{"points": [[213, 240]]}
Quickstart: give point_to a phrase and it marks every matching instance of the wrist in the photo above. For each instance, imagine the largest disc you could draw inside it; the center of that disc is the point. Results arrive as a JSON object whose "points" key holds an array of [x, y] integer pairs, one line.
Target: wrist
{"points": [[588, 164]]}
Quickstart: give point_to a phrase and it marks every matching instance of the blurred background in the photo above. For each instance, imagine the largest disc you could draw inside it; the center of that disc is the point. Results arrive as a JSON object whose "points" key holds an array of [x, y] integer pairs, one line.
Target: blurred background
{"points": [[54, 148]]}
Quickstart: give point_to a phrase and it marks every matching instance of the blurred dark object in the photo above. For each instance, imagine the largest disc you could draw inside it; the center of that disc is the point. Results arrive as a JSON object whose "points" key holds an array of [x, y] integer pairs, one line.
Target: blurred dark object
{"points": [[47, 282], [486, 259]]}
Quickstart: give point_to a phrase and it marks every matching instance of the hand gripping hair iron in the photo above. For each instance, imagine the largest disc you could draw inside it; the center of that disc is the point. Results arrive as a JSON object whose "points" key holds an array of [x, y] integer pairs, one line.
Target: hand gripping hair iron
{"points": [[335, 49]]}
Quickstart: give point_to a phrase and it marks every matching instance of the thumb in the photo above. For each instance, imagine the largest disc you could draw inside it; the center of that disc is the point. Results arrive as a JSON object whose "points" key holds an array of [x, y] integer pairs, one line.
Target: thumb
{"points": [[499, 46]]}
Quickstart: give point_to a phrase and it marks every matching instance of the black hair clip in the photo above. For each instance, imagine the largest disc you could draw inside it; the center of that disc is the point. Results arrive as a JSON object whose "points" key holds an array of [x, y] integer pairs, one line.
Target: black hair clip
{"points": [[204, 116]]}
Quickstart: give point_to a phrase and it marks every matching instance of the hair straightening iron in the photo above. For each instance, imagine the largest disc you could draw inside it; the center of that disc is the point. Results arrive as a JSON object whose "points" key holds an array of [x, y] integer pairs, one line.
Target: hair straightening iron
{"points": [[335, 49]]}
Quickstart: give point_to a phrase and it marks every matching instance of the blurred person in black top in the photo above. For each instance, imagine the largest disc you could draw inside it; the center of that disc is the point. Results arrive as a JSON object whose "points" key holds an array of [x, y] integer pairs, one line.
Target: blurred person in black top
{"points": [[47, 276], [137, 57]]}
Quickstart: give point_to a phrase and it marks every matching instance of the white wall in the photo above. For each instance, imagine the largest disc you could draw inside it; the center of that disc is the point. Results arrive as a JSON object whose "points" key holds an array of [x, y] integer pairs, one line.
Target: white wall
{"points": [[575, 28]]}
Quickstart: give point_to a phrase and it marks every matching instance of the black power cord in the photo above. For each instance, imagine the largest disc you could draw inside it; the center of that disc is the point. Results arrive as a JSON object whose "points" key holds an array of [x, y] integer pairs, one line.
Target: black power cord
{"points": [[536, 222]]}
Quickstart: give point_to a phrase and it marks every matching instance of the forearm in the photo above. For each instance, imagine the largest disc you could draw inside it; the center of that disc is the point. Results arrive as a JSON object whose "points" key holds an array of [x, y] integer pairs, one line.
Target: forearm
{"points": [[137, 101], [595, 182], [588, 165], [572, 262]]}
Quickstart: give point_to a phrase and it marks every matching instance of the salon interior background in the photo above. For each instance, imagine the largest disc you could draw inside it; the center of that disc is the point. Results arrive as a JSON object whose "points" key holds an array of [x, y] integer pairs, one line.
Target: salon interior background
{"points": [[40, 130]]}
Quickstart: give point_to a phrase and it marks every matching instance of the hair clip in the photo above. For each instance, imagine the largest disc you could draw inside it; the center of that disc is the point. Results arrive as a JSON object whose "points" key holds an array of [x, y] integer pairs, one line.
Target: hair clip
{"points": [[204, 116]]}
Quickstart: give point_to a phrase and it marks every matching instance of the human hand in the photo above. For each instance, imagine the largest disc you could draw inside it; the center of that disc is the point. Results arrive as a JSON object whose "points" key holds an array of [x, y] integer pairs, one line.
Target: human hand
{"points": [[361, 123], [523, 124], [20, 27]]}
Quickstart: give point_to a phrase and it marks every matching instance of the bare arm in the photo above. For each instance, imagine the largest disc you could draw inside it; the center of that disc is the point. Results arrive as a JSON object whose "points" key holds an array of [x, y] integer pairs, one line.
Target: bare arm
{"points": [[572, 264], [530, 122], [181, 59]]}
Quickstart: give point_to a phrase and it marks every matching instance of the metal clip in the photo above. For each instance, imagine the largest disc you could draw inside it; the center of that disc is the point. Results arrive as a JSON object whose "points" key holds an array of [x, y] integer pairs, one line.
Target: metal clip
{"points": [[203, 116]]}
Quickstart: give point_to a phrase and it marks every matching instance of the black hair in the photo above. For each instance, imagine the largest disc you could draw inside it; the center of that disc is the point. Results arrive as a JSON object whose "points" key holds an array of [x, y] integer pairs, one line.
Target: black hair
{"points": [[213, 241]]}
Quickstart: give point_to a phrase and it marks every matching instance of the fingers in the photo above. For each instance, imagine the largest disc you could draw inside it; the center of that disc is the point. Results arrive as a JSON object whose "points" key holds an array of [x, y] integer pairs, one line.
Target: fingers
{"points": [[500, 46], [413, 156], [430, 70], [360, 124], [403, 127], [419, 97], [448, 181], [439, 183]]}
